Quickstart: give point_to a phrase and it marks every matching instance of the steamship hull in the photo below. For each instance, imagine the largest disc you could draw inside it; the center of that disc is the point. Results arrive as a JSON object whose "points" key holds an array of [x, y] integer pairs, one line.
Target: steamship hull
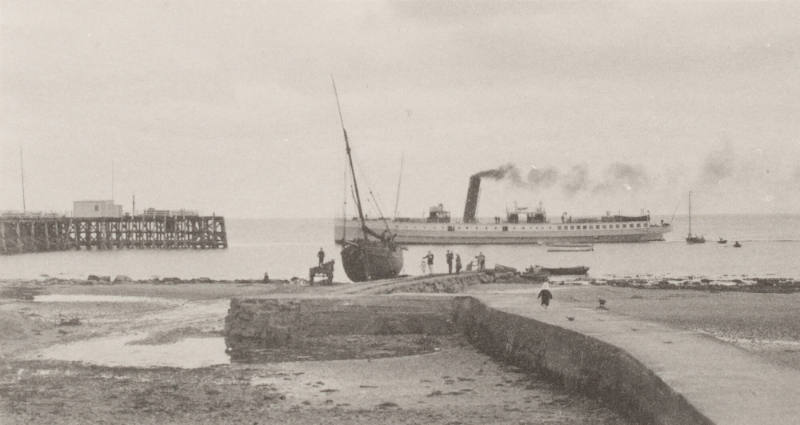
{"points": [[365, 260], [425, 233]]}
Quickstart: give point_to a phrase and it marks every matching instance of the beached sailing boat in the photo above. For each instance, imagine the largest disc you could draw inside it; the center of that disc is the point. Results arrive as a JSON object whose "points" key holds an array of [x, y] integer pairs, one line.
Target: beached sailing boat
{"points": [[367, 255], [693, 239]]}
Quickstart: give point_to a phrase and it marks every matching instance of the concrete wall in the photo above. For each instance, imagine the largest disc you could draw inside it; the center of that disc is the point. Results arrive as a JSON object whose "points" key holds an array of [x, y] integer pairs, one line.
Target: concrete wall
{"points": [[577, 361]]}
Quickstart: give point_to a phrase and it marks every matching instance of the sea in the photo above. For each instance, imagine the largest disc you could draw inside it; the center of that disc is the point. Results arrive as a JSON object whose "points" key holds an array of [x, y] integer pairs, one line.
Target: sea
{"points": [[286, 248]]}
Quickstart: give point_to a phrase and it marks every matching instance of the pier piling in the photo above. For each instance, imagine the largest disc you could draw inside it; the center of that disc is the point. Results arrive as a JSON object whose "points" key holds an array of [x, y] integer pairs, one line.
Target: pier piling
{"points": [[39, 234]]}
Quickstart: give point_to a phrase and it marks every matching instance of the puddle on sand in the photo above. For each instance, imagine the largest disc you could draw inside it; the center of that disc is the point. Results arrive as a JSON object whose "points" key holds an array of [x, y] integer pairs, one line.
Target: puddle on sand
{"points": [[188, 353], [84, 298]]}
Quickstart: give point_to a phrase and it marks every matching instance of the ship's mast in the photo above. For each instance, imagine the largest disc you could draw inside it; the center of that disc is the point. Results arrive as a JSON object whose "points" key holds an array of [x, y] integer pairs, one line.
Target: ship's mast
{"points": [[350, 161]]}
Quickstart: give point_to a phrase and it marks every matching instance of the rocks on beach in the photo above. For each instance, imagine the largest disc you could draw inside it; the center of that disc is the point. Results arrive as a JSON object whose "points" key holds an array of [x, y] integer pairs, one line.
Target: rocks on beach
{"points": [[755, 284]]}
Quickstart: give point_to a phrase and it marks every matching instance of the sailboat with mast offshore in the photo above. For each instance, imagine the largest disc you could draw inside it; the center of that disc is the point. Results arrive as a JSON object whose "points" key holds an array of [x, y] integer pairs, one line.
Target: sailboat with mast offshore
{"points": [[366, 255], [693, 239]]}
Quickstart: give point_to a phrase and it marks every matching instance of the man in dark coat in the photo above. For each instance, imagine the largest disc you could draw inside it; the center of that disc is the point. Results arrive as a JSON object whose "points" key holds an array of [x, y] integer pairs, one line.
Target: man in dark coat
{"points": [[449, 257], [321, 256], [545, 295]]}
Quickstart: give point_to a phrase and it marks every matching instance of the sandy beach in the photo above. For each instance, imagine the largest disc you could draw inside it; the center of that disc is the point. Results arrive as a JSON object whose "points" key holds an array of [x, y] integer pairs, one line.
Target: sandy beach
{"points": [[440, 380]]}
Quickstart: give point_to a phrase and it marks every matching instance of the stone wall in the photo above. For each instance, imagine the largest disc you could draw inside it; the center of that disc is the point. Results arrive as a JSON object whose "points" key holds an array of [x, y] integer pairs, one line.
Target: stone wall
{"points": [[285, 321], [579, 362]]}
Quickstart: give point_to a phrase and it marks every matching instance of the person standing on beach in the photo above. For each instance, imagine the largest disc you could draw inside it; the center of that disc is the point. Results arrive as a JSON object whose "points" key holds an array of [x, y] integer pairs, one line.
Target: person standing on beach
{"points": [[429, 259], [458, 263], [545, 294], [449, 258], [321, 256]]}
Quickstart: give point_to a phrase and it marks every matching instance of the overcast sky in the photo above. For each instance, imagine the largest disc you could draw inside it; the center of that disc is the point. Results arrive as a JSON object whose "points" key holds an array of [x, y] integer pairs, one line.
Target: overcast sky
{"points": [[227, 106]]}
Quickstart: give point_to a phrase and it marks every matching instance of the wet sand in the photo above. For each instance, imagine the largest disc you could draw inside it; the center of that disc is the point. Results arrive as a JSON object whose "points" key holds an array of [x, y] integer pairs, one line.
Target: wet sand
{"points": [[448, 381]]}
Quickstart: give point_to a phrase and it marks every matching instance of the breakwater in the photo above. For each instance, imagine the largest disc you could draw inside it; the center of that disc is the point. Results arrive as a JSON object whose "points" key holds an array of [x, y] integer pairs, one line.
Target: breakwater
{"points": [[575, 360], [40, 234]]}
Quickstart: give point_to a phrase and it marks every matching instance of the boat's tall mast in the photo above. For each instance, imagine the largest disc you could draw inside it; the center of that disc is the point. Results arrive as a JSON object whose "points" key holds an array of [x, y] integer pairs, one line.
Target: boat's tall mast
{"points": [[690, 213], [350, 160], [344, 208]]}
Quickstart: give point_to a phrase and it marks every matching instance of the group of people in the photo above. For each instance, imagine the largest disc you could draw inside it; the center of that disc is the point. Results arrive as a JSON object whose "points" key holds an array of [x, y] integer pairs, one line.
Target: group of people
{"points": [[451, 259]]}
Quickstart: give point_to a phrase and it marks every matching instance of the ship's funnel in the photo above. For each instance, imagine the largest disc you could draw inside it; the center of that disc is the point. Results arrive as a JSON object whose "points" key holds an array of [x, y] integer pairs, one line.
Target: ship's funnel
{"points": [[471, 206]]}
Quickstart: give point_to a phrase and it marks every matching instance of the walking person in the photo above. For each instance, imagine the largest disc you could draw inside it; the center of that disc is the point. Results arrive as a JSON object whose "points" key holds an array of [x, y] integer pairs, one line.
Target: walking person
{"points": [[449, 258], [545, 294], [458, 263], [321, 256], [429, 259]]}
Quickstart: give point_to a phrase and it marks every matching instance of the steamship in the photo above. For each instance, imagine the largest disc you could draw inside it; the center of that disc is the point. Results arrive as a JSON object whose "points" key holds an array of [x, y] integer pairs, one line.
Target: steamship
{"points": [[519, 226]]}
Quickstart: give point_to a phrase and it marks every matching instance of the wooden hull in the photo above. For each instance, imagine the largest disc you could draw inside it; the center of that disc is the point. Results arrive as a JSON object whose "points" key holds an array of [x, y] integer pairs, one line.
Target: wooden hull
{"points": [[370, 260], [535, 276], [566, 271]]}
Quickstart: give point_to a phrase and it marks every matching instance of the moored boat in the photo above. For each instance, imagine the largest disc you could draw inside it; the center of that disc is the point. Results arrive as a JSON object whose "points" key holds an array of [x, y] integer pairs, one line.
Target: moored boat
{"points": [[367, 255], [535, 274], [693, 239], [566, 271], [371, 259]]}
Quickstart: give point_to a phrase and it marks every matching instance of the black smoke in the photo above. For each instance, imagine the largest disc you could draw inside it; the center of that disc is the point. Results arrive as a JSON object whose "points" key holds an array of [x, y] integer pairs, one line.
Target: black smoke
{"points": [[500, 172], [543, 177], [576, 179], [622, 176], [536, 178], [718, 165], [618, 176]]}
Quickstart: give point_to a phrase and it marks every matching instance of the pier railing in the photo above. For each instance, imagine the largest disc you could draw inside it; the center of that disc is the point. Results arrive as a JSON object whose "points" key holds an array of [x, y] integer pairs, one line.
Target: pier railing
{"points": [[38, 234]]}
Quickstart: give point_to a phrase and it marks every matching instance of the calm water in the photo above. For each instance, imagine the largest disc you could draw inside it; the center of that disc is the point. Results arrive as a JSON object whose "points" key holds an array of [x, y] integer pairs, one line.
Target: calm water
{"points": [[287, 247]]}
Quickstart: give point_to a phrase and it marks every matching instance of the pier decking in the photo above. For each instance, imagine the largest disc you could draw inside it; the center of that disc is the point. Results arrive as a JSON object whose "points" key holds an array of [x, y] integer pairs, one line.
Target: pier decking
{"points": [[38, 234]]}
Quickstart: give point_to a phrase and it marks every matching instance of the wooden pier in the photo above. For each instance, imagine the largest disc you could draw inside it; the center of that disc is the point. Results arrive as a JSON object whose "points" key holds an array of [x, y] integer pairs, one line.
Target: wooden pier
{"points": [[39, 234]]}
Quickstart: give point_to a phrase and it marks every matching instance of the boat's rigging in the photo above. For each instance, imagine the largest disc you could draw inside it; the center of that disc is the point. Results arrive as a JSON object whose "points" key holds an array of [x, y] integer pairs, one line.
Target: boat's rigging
{"points": [[364, 259], [349, 158], [378, 207], [365, 230], [344, 204], [675, 211]]}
